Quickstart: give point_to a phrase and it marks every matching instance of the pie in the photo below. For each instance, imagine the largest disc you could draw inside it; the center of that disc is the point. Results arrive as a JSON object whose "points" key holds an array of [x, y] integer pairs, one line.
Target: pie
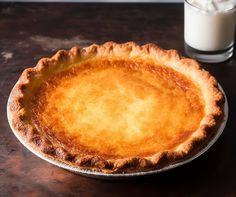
{"points": [[116, 108]]}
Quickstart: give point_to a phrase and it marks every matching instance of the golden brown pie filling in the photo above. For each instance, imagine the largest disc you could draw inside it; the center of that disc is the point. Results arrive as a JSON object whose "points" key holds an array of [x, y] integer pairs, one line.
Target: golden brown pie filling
{"points": [[118, 108]]}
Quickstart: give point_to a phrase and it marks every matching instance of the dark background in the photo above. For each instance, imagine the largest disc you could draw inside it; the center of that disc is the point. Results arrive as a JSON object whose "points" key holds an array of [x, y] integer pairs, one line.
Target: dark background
{"points": [[31, 31]]}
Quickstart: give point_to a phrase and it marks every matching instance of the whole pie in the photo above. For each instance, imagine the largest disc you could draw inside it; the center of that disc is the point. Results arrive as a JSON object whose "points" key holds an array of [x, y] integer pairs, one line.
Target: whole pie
{"points": [[116, 107]]}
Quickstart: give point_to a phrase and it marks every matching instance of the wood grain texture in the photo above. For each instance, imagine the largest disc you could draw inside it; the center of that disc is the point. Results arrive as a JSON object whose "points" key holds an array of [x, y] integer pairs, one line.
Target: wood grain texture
{"points": [[31, 31]]}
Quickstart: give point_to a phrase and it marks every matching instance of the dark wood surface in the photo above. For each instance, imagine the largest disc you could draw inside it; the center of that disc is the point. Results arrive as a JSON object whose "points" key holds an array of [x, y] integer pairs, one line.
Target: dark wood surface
{"points": [[31, 31]]}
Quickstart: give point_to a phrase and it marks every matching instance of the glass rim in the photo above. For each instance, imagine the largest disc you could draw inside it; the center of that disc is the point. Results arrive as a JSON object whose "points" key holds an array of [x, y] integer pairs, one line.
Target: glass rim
{"points": [[202, 10]]}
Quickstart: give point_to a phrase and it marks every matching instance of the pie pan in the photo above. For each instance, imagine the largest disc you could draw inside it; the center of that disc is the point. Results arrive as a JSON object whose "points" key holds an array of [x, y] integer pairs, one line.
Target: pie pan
{"points": [[116, 176]]}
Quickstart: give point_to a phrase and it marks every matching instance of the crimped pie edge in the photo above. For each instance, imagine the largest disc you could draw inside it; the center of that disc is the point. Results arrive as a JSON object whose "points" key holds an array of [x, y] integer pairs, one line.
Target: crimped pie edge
{"points": [[213, 98]]}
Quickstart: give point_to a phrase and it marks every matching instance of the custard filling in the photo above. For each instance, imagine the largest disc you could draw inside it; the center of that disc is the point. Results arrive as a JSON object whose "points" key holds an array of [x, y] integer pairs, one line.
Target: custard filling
{"points": [[118, 108]]}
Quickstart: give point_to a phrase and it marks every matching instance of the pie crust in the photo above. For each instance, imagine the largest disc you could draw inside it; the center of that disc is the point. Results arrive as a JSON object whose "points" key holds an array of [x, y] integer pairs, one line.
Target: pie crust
{"points": [[116, 107]]}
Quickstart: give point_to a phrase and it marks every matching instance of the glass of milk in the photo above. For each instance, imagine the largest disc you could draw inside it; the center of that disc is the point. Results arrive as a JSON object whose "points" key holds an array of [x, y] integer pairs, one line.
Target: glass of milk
{"points": [[209, 29]]}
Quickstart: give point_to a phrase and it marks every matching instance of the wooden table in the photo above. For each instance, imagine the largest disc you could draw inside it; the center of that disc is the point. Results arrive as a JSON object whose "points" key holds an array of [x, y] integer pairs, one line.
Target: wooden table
{"points": [[31, 31]]}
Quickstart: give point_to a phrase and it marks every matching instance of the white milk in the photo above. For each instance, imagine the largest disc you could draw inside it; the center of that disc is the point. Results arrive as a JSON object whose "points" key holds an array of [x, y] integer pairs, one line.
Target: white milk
{"points": [[210, 24]]}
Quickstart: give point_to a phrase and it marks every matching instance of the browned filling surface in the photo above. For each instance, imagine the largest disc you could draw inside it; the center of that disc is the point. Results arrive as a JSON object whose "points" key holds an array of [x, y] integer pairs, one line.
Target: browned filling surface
{"points": [[117, 108]]}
